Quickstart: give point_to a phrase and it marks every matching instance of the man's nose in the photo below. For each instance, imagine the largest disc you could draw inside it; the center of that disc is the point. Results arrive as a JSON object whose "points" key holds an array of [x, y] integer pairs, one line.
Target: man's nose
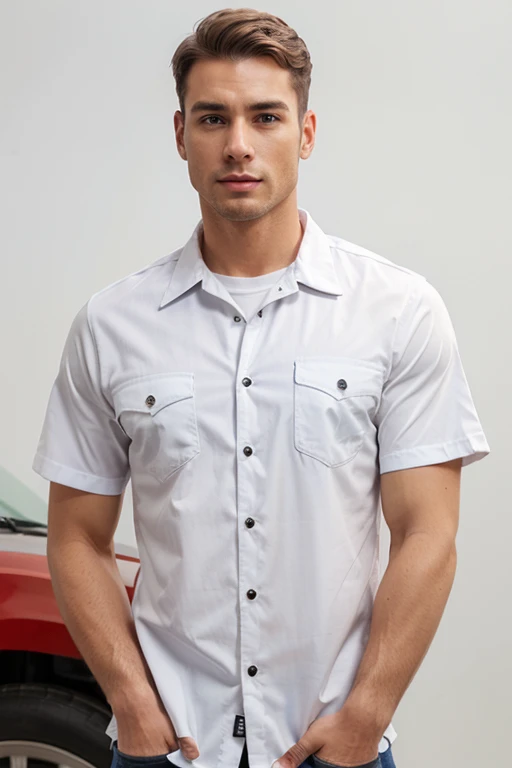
{"points": [[238, 141]]}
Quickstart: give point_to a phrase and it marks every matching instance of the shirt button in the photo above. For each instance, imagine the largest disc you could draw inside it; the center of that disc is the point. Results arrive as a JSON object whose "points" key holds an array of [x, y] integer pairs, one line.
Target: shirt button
{"points": [[150, 401], [247, 381], [248, 450], [260, 313], [249, 522], [342, 384], [251, 594], [237, 319], [252, 670]]}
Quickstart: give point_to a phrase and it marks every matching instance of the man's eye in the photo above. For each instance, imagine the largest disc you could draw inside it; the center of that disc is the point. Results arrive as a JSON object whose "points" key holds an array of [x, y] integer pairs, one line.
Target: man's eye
{"points": [[274, 116], [217, 117]]}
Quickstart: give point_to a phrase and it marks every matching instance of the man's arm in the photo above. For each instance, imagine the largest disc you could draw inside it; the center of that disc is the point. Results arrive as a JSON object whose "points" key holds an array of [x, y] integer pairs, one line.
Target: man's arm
{"points": [[94, 604], [421, 508]]}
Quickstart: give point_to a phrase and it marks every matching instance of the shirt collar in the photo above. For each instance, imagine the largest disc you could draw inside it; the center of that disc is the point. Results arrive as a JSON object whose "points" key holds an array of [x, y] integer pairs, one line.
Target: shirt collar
{"points": [[313, 265]]}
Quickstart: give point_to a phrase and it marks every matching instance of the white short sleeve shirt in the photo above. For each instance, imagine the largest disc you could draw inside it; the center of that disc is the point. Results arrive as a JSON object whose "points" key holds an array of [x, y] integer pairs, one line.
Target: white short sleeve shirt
{"points": [[254, 447]]}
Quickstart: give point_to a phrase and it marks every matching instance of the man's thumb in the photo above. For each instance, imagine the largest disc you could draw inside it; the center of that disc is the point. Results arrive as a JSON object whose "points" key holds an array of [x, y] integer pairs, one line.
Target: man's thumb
{"points": [[293, 757], [189, 747]]}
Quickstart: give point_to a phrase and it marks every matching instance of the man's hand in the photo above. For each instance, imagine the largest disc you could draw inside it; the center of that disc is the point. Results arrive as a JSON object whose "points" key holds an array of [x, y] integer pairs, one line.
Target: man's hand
{"points": [[340, 738], [146, 730]]}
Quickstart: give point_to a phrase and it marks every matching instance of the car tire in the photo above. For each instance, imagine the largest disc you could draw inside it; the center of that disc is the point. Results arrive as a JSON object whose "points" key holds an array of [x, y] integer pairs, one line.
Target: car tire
{"points": [[58, 717]]}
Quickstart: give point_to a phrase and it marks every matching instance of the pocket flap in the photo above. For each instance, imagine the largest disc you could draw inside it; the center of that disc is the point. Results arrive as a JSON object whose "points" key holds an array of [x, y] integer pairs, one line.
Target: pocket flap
{"points": [[148, 394], [339, 377]]}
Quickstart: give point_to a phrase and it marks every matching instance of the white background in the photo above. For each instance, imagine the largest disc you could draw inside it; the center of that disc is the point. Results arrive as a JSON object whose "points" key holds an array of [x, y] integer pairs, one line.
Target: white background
{"points": [[412, 160]]}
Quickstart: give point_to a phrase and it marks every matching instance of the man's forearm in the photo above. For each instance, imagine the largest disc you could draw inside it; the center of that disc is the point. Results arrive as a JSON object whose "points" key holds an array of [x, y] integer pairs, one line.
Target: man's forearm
{"points": [[407, 611], [95, 607]]}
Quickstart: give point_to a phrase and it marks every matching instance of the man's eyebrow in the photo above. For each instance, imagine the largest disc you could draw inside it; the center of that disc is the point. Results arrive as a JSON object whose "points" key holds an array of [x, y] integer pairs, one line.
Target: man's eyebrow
{"points": [[215, 106]]}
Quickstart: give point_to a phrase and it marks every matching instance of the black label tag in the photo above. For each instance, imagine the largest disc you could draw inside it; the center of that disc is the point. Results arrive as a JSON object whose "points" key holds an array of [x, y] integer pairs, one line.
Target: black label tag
{"points": [[239, 727]]}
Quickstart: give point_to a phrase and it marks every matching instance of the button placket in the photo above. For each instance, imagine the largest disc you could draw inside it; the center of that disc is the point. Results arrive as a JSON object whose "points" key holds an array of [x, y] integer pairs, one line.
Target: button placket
{"points": [[285, 287], [247, 472]]}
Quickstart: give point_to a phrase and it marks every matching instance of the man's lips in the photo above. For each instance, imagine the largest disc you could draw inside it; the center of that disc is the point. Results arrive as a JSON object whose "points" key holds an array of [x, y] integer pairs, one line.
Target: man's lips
{"points": [[241, 186]]}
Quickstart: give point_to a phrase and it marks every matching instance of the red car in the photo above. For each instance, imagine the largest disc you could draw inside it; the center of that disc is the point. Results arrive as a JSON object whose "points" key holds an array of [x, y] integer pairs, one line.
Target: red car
{"points": [[52, 710]]}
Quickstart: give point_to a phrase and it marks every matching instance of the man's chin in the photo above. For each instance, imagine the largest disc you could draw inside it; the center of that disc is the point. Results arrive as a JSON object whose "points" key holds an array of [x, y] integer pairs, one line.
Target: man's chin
{"points": [[241, 210]]}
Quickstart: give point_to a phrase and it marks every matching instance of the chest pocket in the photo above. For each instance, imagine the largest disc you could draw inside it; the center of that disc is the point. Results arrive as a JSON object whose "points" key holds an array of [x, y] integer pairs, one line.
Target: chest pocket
{"points": [[158, 413], [335, 399]]}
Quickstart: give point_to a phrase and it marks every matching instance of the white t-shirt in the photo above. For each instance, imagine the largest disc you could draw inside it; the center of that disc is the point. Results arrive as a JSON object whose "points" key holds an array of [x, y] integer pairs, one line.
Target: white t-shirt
{"points": [[250, 292]]}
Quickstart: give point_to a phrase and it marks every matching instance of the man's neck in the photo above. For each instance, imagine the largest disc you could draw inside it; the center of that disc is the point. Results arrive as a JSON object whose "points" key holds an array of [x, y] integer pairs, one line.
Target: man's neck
{"points": [[250, 248]]}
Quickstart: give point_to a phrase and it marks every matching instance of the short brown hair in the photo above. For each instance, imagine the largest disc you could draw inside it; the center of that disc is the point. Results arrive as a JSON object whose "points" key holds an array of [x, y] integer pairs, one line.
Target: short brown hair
{"points": [[241, 33]]}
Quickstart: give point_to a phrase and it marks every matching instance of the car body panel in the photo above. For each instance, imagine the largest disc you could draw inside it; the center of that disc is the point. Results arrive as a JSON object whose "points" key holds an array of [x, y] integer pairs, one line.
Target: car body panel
{"points": [[30, 619]]}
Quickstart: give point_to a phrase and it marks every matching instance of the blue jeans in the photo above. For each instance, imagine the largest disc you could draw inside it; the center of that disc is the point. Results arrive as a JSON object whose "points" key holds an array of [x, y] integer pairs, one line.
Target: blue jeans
{"points": [[120, 760], [384, 760]]}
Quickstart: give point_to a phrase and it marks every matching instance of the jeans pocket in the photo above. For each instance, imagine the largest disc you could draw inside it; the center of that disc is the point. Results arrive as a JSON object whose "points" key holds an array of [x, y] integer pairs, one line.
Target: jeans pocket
{"points": [[122, 760], [317, 761]]}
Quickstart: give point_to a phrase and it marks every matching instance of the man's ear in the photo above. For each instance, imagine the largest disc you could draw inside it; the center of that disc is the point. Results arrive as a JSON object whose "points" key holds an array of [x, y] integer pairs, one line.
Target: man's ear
{"points": [[179, 127], [307, 141]]}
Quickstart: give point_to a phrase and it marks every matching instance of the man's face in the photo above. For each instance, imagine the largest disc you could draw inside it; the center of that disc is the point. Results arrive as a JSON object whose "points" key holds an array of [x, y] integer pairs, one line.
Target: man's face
{"points": [[266, 142]]}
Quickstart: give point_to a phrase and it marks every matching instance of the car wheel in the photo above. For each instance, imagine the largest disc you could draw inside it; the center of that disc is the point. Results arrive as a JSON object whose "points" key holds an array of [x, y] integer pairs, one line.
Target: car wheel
{"points": [[44, 724]]}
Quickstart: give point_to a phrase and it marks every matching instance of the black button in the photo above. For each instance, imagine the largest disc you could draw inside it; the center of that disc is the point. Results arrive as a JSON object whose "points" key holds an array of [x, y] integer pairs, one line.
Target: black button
{"points": [[247, 381], [252, 670], [251, 594], [237, 319], [342, 384], [249, 522], [260, 313], [279, 289], [248, 450]]}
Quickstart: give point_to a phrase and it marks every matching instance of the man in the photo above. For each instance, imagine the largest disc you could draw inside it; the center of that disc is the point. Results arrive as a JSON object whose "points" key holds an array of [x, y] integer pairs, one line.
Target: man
{"points": [[268, 388]]}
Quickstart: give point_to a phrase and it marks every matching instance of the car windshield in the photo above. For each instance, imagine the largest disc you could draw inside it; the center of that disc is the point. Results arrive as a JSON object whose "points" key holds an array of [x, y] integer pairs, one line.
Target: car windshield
{"points": [[18, 501]]}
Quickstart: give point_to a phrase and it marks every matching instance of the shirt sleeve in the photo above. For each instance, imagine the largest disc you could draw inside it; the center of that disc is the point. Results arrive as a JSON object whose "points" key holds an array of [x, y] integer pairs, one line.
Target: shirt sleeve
{"points": [[81, 444], [426, 413]]}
